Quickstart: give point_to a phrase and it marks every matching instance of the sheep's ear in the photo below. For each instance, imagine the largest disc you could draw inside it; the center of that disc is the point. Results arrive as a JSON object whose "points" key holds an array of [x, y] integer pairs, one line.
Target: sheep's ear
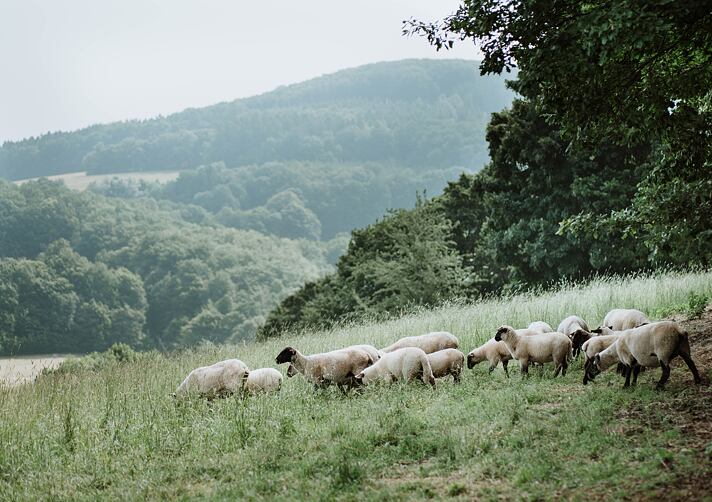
{"points": [[597, 330], [610, 327]]}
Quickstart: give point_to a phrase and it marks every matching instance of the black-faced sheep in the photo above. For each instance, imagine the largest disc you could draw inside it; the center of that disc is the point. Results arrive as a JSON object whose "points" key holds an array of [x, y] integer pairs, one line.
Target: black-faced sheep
{"points": [[542, 348], [406, 364], [577, 330], [492, 351], [650, 345], [447, 362], [218, 380], [430, 342], [337, 367]]}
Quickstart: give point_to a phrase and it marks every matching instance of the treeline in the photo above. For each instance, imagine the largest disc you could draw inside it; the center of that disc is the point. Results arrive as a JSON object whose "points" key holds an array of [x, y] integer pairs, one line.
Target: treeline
{"points": [[419, 113], [295, 200], [79, 272], [604, 165]]}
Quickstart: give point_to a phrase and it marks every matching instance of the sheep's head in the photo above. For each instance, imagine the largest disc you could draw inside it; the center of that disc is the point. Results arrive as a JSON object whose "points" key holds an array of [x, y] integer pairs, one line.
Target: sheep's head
{"points": [[471, 361], [592, 367], [286, 356], [291, 371], [578, 338], [503, 333], [603, 330]]}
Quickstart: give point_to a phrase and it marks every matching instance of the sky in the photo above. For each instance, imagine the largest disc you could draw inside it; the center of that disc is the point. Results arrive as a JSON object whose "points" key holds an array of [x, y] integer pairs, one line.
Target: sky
{"points": [[68, 64]]}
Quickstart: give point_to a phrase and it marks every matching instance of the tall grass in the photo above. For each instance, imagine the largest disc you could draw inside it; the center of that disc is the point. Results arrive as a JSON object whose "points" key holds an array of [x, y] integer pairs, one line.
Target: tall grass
{"points": [[118, 433]]}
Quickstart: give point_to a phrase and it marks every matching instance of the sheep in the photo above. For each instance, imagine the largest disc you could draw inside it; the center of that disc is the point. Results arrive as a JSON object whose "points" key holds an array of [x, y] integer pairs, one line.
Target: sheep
{"points": [[577, 330], [593, 346], [622, 319], [369, 349], [263, 380], [447, 362], [544, 348], [540, 327], [492, 351], [337, 367], [405, 364], [650, 345], [431, 342], [221, 379]]}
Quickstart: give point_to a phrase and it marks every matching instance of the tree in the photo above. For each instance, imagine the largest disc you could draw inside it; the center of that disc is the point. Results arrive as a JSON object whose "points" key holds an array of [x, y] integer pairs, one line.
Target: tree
{"points": [[621, 70]]}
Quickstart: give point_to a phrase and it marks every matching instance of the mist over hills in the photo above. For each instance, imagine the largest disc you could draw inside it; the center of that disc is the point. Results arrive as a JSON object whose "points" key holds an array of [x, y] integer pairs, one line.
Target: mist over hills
{"points": [[421, 114]]}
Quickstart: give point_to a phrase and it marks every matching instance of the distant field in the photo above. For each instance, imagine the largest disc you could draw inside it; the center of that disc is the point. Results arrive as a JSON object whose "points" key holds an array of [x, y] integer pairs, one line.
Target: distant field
{"points": [[19, 370], [118, 434], [81, 180]]}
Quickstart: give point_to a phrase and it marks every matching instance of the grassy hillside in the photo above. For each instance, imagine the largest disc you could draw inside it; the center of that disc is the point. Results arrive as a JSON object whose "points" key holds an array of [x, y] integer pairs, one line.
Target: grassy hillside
{"points": [[416, 113], [117, 433]]}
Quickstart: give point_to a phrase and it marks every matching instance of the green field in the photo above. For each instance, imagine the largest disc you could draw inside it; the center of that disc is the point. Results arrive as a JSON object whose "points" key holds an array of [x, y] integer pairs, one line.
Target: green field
{"points": [[117, 433]]}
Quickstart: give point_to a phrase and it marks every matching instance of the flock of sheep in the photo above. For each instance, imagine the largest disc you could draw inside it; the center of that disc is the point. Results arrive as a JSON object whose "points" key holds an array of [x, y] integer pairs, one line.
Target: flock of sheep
{"points": [[626, 339]]}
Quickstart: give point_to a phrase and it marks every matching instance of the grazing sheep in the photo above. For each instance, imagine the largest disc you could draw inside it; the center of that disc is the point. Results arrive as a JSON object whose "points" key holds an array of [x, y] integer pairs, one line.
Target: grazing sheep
{"points": [[447, 362], [650, 345], [407, 364], [220, 379], [593, 346], [544, 348], [540, 327], [622, 319], [577, 330], [337, 367], [263, 380], [431, 342], [369, 349], [492, 351]]}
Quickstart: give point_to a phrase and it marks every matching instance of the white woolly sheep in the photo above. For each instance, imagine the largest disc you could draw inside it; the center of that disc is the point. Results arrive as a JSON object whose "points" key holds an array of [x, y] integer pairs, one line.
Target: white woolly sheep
{"points": [[622, 319], [577, 330], [430, 342], [369, 349], [406, 364], [650, 345], [540, 327], [220, 379], [447, 362], [544, 348], [263, 380], [492, 351], [337, 367]]}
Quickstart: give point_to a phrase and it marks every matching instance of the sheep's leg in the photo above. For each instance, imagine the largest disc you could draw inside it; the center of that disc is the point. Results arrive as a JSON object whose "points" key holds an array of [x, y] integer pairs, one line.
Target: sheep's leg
{"points": [[456, 375], [636, 371], [524, 363], [691, 365], [504, 365], [558, 369], [626, 372], [564, 367], [493, 366], [665, 376]]}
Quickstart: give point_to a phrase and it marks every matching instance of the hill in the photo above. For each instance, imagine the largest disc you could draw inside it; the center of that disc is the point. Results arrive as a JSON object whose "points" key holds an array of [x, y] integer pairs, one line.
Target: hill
{"points": [[417, 113], [110, 428]]}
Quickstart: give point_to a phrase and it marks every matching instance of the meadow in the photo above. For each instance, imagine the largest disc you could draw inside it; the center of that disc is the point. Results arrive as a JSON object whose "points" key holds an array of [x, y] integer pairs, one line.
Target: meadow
{"points": [[117, 433], [81, 180]]}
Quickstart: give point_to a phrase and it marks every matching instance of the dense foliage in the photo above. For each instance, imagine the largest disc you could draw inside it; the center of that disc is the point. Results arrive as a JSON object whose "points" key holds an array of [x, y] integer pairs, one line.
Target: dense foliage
{"points": [[617, 71], [80, 272], [494, 230], [418, 113]]}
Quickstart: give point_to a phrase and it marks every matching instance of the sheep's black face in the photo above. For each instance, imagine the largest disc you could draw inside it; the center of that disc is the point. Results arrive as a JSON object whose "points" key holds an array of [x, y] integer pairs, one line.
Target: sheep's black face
{"points": [[591, 369], [470, 362], [286, 355], [501, 331], [579, 338]]}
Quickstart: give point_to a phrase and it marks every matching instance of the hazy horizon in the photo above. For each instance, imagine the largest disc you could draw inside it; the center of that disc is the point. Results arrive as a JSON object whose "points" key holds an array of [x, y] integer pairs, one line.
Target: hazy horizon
{"points": [[80, 64]]}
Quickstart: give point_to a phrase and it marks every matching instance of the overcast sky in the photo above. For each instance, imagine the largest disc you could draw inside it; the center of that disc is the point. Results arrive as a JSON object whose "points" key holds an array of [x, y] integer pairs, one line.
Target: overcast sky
{"points": [[67, 64]]}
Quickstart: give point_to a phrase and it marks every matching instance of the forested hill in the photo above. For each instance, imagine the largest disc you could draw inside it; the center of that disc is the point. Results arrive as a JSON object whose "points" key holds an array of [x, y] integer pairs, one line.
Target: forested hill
{"points": [[415, 113]]}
